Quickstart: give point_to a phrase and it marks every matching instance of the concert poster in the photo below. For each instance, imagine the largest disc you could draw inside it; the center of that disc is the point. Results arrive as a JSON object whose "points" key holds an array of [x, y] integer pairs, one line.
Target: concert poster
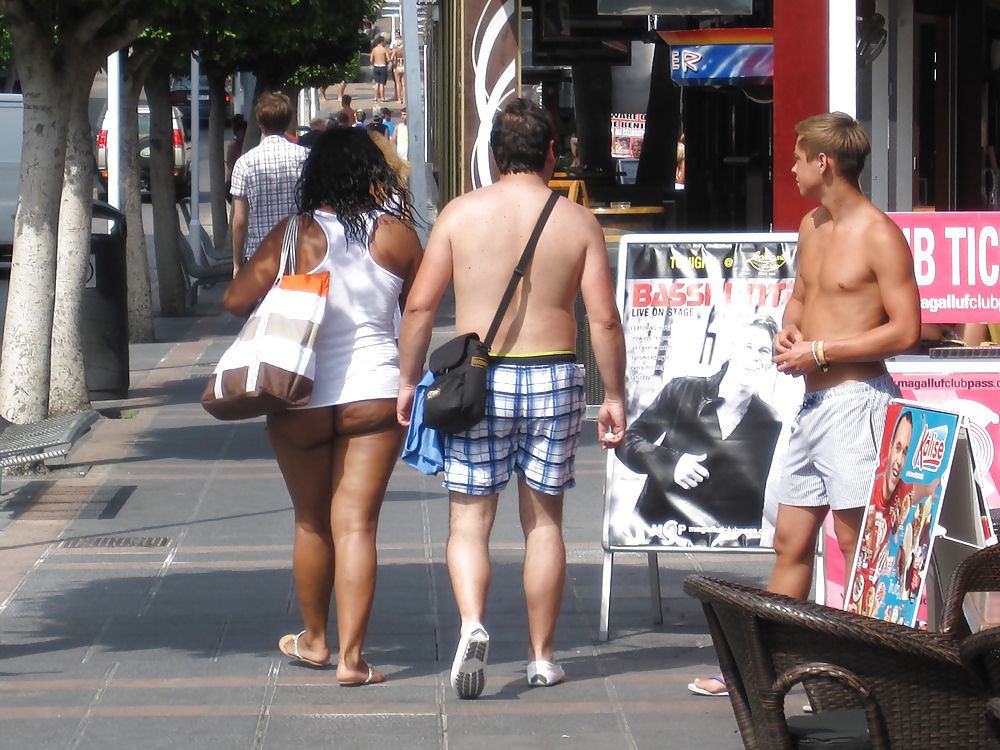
{"points": [[708, 413]]}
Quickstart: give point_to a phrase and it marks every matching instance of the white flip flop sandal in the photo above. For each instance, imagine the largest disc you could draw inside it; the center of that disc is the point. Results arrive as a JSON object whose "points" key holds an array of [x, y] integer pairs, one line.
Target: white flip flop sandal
{"points": [[702, 691]]}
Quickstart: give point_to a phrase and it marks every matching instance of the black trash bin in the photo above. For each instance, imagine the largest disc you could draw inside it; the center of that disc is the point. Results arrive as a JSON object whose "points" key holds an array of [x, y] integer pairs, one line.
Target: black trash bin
{"points": [[104, 323]]}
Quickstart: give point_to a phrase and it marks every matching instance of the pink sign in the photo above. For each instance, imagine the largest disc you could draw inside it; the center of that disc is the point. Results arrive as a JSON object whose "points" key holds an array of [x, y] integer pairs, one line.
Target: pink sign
{"points": [[956, 258], [975, 395]]}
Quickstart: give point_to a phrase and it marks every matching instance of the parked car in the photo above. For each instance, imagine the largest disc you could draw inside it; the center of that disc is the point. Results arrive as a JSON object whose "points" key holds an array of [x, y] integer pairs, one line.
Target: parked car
{"points": [[11, 138], [181, 150], [180, 97]]}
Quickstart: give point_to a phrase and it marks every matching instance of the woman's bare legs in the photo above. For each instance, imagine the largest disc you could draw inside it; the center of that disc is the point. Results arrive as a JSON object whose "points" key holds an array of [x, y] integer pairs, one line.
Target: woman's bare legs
{"points": [[364, 454], [336, 462], [302, 445], [399, 78]]}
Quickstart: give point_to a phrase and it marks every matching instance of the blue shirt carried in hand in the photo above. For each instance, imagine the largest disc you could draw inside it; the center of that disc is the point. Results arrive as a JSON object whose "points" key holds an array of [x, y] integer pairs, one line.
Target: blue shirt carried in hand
{"points": [[424, 448]]}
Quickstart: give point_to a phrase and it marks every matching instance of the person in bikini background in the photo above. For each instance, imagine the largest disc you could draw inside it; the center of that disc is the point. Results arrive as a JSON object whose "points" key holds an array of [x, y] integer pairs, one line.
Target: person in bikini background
{"points": [[399, 70], [855, 302], [536, 402]]}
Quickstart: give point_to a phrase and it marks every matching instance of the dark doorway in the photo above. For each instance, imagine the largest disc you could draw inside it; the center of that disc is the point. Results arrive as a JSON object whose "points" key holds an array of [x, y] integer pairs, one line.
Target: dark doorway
{"points": [[728, 170]]}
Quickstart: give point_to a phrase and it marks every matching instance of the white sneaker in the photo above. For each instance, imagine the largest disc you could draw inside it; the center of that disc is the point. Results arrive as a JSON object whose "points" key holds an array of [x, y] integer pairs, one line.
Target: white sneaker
{"points": [[468, 671], [545, 673]]}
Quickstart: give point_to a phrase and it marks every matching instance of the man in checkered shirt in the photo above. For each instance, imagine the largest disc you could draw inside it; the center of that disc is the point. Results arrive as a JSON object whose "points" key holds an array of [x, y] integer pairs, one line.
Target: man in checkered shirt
{"points": [[264, 178]]}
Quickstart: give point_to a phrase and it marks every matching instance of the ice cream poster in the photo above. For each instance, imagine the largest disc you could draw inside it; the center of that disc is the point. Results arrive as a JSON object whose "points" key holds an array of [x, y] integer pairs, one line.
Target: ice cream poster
{"points": [[897, 533]]}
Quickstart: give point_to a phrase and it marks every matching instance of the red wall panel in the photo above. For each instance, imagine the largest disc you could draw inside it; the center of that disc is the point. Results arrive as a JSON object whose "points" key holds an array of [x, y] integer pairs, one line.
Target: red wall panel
{"points": [[801, 89]]}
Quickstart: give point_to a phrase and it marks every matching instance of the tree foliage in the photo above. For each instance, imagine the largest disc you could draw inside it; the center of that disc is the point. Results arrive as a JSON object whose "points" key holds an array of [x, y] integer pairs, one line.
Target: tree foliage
{"points": [[274, 39], [58, 46]]}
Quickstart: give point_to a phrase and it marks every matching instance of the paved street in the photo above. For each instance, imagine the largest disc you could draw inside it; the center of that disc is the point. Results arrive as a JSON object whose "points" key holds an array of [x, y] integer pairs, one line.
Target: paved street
{"points": [[145, 582], [170, 639]]}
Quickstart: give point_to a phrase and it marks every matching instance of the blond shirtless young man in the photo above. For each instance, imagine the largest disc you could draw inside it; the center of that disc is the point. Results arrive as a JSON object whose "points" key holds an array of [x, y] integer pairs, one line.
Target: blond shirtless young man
{"points": [[855, 302], [536, 404]]}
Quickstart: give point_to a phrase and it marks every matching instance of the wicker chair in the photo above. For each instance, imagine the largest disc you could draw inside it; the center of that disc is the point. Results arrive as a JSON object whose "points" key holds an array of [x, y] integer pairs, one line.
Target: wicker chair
{"points": [[911, 685], [981, 654], [980, 571]]}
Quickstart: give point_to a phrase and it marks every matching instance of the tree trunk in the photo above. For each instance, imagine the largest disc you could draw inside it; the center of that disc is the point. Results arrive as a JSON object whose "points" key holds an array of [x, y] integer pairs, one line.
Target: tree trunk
{"points": [[140, 299], [27, 339], [170, 275], [217, 160], [46, 66], [68, 384]]}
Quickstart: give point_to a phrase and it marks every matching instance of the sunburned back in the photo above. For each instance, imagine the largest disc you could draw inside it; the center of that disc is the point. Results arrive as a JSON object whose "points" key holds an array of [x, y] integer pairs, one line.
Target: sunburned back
{"points": [[379, 55], [487, 238]]}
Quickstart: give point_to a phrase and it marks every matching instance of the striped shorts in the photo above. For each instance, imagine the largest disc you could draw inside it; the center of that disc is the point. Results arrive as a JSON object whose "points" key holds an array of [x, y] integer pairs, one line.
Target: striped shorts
{"points": [[534, 414], [833, 449]]}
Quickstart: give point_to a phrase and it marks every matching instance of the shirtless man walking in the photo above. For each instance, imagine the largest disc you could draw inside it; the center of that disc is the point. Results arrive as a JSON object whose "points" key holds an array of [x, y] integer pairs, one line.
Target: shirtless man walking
{"points": [[380, 68], [855, 302], [536, 403]]}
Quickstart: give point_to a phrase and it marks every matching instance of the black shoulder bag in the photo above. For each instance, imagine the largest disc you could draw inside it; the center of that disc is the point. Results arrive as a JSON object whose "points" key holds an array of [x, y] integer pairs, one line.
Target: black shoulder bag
{"points": [[456, 400]]}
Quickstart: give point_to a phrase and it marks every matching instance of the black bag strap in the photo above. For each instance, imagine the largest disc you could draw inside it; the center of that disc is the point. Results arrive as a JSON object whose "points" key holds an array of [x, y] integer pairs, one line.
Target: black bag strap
{"points": [[522, 267]]}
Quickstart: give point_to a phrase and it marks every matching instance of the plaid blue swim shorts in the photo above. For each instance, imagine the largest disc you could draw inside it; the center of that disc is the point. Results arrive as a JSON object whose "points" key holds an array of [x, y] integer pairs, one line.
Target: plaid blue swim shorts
{"points": [[534, 414]]}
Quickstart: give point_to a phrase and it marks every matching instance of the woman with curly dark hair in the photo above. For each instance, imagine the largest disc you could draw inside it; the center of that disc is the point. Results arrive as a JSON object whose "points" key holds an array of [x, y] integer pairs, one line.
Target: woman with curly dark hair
{"points": [[337, 453]]}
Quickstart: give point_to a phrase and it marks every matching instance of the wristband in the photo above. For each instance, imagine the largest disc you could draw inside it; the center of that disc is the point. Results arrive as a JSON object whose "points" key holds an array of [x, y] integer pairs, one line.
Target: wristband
{"points": [[821, 360], [816, 356]]}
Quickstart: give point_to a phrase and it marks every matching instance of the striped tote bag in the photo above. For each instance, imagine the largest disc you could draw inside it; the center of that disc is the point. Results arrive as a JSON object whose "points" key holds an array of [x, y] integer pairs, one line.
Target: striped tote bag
{"points": [[271, 365]]}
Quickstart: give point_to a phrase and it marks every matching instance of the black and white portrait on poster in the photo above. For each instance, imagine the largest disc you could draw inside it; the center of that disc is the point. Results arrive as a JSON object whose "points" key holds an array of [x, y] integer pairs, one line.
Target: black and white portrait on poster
{"points": [[708, 412]]}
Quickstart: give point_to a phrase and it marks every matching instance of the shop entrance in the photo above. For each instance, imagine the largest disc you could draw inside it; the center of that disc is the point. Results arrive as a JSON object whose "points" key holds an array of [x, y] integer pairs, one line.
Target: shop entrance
{"points": [[728, 169]]}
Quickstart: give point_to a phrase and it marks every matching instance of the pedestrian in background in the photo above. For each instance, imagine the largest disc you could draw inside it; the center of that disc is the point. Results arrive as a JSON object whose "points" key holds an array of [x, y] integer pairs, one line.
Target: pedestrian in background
{"points": [[380, 57], [376, 125], [235, 150], [336, 454], [398, 70], [387, 121], [401, 136], [346, 109], [264, 178], [316, 126]]}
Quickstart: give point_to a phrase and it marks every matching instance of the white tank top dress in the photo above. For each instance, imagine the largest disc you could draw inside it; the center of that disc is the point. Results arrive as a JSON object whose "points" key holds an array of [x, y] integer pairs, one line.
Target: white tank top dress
{"points": [[357, 358]]}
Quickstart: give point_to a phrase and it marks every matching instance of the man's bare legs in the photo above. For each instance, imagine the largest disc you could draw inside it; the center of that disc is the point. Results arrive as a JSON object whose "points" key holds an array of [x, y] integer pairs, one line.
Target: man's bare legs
{"points": [[795, 545], [336, 463], [544, 566], [847, 527], [472, 519]]}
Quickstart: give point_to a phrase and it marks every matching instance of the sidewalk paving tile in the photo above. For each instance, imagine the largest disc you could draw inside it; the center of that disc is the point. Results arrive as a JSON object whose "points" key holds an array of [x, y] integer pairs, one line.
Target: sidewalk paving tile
{"points": [[176, 646]]}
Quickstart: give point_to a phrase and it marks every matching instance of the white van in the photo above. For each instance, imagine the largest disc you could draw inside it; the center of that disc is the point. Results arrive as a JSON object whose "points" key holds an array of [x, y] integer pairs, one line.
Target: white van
{"points": [[11, 138]]}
